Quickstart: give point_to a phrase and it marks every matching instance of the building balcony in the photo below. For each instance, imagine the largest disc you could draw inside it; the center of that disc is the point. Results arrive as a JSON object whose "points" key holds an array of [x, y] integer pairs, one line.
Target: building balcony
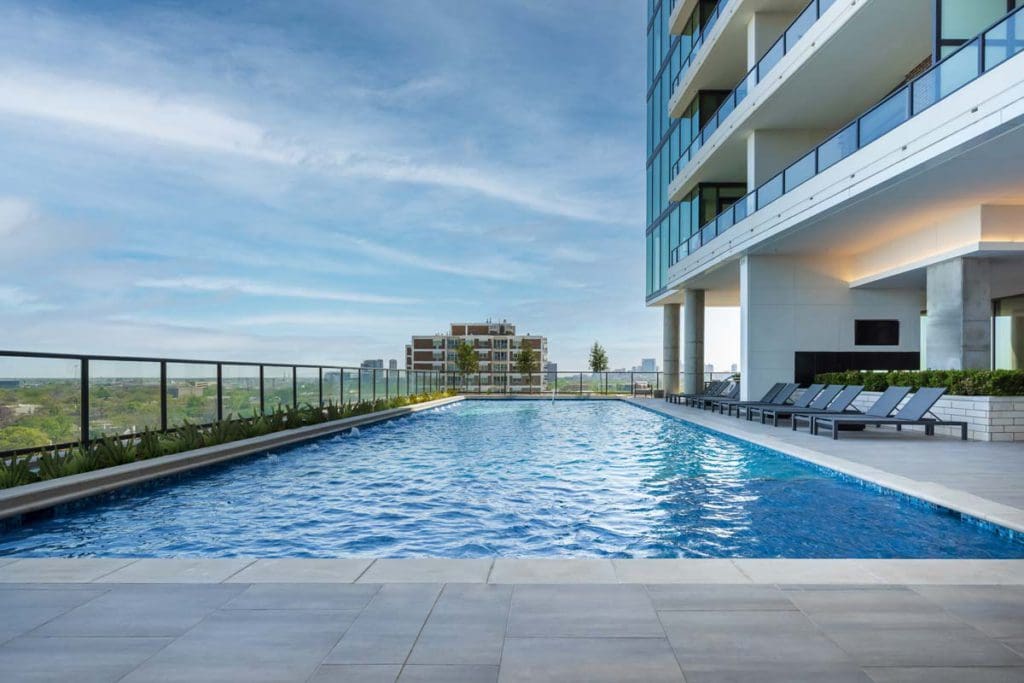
{"points": [[815, 78], [951, 139]]}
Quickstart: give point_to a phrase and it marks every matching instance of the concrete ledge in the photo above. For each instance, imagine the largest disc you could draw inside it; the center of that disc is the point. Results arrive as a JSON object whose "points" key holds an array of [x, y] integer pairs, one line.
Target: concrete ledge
{"points": [[516, 571], [46, 494]]}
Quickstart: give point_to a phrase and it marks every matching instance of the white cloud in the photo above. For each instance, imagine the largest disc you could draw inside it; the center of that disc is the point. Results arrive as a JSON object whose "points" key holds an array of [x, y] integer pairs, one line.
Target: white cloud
{"points": [[14, 213], [180, 121], [20, 301], [505, 270], [249, 287]]}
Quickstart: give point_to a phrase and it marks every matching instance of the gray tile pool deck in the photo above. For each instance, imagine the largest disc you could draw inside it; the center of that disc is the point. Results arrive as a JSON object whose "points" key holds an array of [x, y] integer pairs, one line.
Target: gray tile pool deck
{"points": [[106, 619]]}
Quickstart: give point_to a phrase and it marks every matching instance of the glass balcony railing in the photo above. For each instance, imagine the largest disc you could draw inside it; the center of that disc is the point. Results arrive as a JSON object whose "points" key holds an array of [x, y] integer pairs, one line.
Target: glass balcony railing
{"points": [[698, 41], [988, 50], [790, 37]]}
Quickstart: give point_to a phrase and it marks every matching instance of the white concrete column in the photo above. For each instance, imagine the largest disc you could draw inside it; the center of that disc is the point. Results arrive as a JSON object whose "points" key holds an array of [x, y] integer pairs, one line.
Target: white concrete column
{"points": [[959, 327], [762, 32], [670, 352], [693, 340], [770, 151]]}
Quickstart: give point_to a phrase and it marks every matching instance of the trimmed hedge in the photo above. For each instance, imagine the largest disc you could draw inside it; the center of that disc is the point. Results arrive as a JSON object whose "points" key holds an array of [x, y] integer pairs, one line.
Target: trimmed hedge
{"points": [[956, 382]]}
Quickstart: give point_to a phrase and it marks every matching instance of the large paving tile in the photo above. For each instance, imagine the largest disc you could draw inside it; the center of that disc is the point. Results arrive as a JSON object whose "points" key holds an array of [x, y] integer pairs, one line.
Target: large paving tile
{"points": [[913, 639], [175, 570], [883, 600], [947, 675], [784, 571], [582, 610], [427, 570], [588, 660], [386, 630], [466, 626], [729, 673], [946, 572], [553, 571], [301, 570], [995, 610], [60, 569], [718, 598], [357, 673], [82, 660], [252, 646], [763, 640], [459, 673], [329, 596], [678, 571], [142, 610]]}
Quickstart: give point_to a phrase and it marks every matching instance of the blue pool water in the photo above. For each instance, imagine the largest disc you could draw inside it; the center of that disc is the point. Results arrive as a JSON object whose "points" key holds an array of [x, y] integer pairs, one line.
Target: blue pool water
{"points": [[512, 479]]}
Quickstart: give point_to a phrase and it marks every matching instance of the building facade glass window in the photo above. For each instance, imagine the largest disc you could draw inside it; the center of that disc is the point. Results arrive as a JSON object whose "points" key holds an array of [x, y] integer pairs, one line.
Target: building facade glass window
{"points": [[958, 21], [1008, 333], [666, 137]]}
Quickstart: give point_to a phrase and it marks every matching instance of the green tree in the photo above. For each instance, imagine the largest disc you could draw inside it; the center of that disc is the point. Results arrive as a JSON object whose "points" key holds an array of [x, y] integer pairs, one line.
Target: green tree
{"points": [[21, 437], [598, 358], [527, 363], [466, 360]]}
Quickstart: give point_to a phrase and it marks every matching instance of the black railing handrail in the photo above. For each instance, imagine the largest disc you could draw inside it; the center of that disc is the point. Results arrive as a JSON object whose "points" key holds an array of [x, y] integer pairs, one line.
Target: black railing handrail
{"points": [[907, 89]]}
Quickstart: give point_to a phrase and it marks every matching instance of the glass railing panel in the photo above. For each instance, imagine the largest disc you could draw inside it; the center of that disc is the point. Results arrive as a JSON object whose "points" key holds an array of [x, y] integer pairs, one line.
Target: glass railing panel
{"points": [[124, 397], [725, 110], [838, 147], [619, 383], [952, 73], [277, 388], [801, 25], [1004, 40], [331, 387], [769, 192], [307, 385], [886, 116], [770, 59], [724, 221], [350, 389], [739, 209], [693, 244], [240, 390], [800, 171], [823, 6], [40, 402], [709, 129], [707, 233], [191, 393]]}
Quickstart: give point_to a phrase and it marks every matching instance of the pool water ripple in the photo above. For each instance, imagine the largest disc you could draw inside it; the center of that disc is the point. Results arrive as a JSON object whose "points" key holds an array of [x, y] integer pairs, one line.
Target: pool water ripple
{"points": [[512, 479]]}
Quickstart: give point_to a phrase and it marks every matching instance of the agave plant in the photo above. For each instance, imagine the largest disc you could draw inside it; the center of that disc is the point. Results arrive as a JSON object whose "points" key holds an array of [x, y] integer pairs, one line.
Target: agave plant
{"points": [[53, 464], [150, 445], [15, 472], [113, 451], [221, 432]]}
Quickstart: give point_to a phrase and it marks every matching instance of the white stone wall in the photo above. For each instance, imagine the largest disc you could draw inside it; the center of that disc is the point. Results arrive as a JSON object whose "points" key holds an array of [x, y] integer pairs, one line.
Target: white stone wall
{"points": [[989, 418]]}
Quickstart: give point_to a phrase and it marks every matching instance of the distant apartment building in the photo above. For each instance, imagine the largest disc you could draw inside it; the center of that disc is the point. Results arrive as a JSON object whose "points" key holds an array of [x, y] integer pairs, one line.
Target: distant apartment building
{"points": [[496, 345], [373, 364], [849, 174], [392, 364], [646, 365]]}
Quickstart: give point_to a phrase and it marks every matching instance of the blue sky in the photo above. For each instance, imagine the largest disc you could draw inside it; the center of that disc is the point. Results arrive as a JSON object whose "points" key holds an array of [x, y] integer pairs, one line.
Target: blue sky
{"points": [[316, 181]]}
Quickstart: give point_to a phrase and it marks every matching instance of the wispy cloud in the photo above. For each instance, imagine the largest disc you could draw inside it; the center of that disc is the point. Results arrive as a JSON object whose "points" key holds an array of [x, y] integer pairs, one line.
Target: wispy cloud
{"points": [[14, 212], [17, 300], [506, 270], [267, 289]]}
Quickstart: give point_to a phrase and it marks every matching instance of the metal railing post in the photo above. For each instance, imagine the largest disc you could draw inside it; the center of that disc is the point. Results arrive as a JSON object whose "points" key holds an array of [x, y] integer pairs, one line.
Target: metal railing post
{"points": [[163, 396], [220, 392], [581, 384], [84, 412], [341, 386], [263, 403], [374, 377], [320, 384], [295, 387]]}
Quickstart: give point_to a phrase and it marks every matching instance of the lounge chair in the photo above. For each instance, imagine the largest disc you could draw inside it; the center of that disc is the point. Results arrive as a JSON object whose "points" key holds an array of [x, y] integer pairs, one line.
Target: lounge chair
{"points": [[805, 400], [882, 407], [735, 397], [778, 399], [816, 397], [727, 389], [710, 390], [913, 413], [840, 404], [703, 402]]}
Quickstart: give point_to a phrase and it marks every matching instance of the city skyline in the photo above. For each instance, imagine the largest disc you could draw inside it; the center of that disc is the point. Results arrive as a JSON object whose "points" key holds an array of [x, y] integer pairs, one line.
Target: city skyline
{"points": [[262, 194]]}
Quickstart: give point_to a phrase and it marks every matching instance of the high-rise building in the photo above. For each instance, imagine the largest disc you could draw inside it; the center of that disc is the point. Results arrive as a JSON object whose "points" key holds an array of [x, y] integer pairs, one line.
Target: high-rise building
{"points": [[392, 364], [496, 345], [646, 365], [849, 174], [550, 371], [377, 363]]}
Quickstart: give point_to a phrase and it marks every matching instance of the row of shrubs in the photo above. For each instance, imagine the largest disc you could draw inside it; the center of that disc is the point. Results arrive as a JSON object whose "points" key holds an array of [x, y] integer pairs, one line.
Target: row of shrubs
{"points": [[956, 382], [111, 451]]}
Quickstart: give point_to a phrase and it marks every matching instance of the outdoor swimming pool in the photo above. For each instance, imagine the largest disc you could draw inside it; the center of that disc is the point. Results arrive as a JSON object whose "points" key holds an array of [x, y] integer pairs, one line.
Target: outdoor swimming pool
{"points": [[512, 479]]}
